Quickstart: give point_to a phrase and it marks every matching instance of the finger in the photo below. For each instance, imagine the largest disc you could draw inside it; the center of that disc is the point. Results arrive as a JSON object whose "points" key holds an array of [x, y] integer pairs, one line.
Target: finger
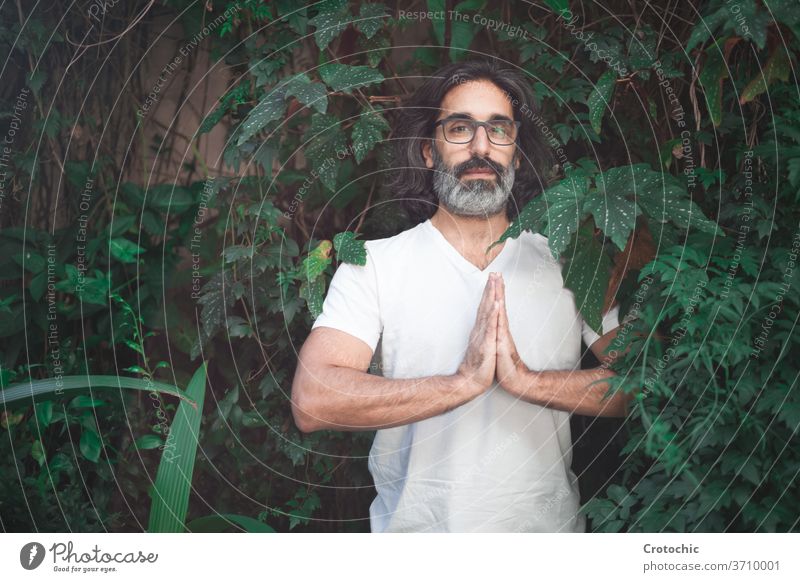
{"points": [[503, 333], [488, 298], [491, 328]]}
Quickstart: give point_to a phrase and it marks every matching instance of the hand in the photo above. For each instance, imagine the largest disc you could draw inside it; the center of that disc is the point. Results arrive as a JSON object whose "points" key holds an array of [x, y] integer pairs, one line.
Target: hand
{"points": [[511, 370], [477, 371]]}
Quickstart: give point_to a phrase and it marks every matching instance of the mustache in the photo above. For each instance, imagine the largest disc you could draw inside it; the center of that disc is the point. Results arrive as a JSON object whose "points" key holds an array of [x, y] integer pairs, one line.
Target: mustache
{"points": [[476, 163]]}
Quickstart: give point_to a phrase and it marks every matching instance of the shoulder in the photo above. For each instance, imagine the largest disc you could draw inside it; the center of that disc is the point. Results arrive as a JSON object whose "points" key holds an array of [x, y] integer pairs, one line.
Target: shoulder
{"points": [[395, 247]]}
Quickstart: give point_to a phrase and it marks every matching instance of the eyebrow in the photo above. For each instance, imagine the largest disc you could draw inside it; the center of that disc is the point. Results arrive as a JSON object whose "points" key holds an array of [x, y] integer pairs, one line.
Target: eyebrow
{"points": [[495, 117]]}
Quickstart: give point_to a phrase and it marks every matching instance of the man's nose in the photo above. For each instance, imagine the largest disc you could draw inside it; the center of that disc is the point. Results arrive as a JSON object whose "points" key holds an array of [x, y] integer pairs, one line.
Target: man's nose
{"points": [[480, 144]]}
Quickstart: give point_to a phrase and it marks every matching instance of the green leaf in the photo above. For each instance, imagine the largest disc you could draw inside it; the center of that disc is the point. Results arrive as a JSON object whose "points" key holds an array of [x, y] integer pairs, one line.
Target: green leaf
{"points": [[308, 93], [586, 274], [174, 477], [325, 140], [271, 107], [34, 262], [44, 390], [317, 260], [663, 200], [371, 18], [564, 211], [614, 213], [348, 249], [44, 414], [225, 521], [314, 294], [367, 132], [557, 6], [348, 77], [375, 48], [711, 75], [436, 7], [125, 251], [329, 24], [148, 441], [37, 452], [461, 34], [83, 401], [600, 99], [90, 445], [777, 68]]}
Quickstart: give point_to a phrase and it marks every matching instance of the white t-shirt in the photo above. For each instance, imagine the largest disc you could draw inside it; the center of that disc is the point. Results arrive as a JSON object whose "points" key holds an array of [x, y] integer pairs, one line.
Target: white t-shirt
{"points": [[496, 463]]}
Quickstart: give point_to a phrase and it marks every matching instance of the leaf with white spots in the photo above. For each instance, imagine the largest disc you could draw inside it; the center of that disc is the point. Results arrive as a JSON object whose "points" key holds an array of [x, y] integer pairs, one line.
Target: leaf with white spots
{"points": [[329, 24], [347, 77], [314, 294], [270, 108], [308, 93], [586, 273], [317, 260], [325, 140], [564, 211], [368, 131], [371, 18], [614, 213], [350, 250], [600, 99]]}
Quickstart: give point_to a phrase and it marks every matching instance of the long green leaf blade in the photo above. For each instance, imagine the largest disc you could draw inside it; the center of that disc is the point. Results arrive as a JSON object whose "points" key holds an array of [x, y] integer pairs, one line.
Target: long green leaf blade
{"points": [[49, 388], [174, 477]]}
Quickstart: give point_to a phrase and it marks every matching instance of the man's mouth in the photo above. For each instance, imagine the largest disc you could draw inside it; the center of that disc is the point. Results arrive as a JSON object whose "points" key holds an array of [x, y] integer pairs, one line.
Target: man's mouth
{"points": [[479, 173]]}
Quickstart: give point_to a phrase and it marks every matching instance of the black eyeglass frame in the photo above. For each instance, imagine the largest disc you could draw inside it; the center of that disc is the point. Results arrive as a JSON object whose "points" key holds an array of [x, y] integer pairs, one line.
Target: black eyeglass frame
{"points": [[477, 124]]}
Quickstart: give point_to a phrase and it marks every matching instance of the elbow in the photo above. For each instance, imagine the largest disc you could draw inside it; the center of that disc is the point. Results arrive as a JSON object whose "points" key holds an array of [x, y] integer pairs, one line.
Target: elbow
{"points": [[303, 411]]}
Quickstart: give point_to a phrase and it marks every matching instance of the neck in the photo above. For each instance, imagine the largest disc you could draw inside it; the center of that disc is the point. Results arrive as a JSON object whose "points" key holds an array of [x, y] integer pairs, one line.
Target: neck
{"points": [[470, 234]]}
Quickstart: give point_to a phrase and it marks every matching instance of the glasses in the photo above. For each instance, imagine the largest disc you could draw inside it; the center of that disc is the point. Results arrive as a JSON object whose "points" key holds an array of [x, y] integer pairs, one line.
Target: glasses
{"points": [[501, 132]]}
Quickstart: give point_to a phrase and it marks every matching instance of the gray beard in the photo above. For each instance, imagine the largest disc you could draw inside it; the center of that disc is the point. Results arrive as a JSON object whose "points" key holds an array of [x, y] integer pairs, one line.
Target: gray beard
{"points": [[474, 198]]}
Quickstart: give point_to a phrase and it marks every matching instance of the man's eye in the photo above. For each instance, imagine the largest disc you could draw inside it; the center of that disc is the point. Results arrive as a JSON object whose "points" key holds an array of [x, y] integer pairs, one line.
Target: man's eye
{"points": [[500, 129], [461, 128]]}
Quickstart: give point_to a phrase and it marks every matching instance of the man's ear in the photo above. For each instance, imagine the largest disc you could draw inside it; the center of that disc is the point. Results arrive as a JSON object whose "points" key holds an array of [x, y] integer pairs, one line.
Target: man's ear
{"points": [[426, 153], [516, 160]]}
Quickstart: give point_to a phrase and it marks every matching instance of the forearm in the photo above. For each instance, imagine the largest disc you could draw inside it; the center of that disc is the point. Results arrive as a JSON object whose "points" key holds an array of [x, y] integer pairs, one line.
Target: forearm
{"points": [[572, 391], [341, 398]]}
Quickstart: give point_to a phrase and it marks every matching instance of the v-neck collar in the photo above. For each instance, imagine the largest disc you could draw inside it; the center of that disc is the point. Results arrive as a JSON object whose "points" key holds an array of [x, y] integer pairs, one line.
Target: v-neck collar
{"points": [[458, 258]]}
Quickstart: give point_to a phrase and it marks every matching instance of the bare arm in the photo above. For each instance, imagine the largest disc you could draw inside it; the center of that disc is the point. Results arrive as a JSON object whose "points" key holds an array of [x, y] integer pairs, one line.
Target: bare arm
{"points": [[573, 391], [331, 389]]}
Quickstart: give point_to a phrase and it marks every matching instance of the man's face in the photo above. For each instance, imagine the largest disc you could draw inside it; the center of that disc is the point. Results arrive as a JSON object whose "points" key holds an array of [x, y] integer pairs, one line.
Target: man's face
{"points": [[473, 179]]}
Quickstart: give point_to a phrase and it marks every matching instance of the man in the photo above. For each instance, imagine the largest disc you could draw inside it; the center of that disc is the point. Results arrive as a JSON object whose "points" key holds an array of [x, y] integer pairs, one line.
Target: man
{"points": [[480, 349]]}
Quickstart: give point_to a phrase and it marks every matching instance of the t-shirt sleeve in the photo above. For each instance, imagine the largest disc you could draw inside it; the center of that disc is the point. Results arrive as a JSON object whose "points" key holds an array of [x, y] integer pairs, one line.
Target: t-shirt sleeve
{"points": [[351, 304], [610, 322]]}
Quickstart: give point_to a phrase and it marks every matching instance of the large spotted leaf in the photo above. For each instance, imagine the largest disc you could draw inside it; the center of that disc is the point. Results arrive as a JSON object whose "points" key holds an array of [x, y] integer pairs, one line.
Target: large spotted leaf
{"points": [[347, 77], [711, 75], [371, 18], [600, 98], [350, 250], [326, 142], [270, 108], [664, 199], [586, 272], [317, 260], [612, 205], [314, 294], [367, 132], [331, 21], [564, 211], [308, 92]]}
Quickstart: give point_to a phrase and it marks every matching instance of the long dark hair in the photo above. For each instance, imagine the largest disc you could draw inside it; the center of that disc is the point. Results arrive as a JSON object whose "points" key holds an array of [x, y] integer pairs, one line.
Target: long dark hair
{"points": [[411, 182]]}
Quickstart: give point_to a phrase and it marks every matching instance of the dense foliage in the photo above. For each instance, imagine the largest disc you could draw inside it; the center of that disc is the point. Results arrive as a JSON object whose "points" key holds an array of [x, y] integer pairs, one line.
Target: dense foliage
{"points": [[677, 136]]}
